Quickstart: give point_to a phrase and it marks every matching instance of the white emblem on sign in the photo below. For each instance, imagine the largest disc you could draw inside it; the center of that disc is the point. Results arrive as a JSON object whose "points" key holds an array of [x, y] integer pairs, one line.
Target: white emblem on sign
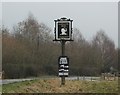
{"points": [[63, 61], [63, 31]]}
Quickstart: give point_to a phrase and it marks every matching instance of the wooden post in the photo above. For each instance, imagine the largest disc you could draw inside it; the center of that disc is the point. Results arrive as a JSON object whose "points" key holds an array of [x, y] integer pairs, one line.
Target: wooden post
{"points": [[63, 54]]}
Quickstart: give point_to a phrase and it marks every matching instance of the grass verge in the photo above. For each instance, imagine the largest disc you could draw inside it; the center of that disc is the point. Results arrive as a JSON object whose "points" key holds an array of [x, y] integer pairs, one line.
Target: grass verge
{"points": [[54, 86]]}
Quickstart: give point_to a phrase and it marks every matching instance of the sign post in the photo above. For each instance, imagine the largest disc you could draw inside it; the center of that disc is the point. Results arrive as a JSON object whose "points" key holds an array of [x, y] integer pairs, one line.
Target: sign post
{"points": [[63, 33], [63, 53]]}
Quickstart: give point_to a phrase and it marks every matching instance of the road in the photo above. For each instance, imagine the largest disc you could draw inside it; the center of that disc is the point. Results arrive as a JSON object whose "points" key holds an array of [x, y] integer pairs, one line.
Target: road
{"points": [[7, 81]]}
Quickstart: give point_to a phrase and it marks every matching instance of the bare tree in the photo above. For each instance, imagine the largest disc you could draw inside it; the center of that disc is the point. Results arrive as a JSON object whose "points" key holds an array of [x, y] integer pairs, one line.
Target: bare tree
{"points": [[105, 49]]}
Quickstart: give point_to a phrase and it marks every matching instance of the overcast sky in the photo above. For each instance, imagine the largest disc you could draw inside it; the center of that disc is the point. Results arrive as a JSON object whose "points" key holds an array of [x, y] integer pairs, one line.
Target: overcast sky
{"points": [[88, 17]]}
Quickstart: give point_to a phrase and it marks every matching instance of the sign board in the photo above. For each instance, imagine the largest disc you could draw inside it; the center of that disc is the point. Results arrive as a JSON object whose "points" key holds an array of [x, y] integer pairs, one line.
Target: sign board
{"points": [[63, 63], [63, 29]]}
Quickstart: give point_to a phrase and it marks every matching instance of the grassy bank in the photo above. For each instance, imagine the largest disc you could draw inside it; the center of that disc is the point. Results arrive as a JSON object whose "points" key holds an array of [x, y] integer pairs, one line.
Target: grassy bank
{"points": [[53, 86]]}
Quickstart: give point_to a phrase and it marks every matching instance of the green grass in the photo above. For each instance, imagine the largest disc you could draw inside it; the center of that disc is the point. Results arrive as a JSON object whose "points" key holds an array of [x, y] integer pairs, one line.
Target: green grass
{"points": [[53, 86], [15, 87], [101, 87]]}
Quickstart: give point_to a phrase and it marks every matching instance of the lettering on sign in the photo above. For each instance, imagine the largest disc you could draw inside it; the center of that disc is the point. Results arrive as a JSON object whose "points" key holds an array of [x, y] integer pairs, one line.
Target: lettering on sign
{"points": [[63, 61], [63, 66]]}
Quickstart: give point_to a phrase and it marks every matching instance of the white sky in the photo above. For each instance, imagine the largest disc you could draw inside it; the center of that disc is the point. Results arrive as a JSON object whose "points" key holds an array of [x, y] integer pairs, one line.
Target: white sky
{"points": [[60, 0], [88, 17]]}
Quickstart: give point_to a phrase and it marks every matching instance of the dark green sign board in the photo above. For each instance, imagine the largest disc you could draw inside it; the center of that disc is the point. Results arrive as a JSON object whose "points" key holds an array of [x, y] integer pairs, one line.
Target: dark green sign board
{"points": [[63, 30]]}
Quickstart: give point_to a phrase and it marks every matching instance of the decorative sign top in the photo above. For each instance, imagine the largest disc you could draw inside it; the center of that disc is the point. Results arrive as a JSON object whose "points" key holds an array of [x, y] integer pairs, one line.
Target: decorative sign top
{"points": [[63, 29]]}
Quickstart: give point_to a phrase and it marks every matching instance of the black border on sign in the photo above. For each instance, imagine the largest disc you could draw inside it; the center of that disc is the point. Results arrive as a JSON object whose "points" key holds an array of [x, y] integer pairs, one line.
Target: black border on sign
{"points": [[64, 20]]}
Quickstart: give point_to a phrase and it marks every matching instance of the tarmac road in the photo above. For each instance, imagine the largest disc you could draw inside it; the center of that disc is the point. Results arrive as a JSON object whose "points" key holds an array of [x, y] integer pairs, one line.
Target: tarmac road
{"points": [[7, 81]]}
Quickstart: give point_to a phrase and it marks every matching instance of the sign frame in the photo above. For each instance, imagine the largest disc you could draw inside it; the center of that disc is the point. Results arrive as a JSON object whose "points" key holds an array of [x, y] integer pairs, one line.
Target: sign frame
{"points": [[63, 21]]}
